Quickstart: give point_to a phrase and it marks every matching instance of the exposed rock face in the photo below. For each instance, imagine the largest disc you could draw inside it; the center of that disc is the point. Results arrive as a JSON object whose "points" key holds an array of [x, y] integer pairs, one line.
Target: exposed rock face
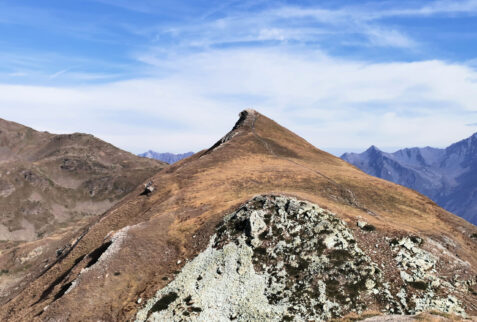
{"points": [[417, 269], [278, 258]]}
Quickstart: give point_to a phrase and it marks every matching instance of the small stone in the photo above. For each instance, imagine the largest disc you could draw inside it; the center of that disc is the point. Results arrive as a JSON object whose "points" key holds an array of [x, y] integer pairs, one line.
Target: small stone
{"points": [[370, 284], [139, 300], [362, 224], [148, 188], [406, 277], [179, 261]]}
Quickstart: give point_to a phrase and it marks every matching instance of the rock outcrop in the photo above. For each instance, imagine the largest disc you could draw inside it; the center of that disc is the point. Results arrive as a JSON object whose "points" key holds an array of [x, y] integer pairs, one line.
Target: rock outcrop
{"points": [[278, 258]]}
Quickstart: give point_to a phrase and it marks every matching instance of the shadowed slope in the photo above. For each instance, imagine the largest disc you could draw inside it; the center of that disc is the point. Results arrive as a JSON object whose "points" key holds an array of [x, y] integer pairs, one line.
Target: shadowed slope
{"points": [[153, 235]]}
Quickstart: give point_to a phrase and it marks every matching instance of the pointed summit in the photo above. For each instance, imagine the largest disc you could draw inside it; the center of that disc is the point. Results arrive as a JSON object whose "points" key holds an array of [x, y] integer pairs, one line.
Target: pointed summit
{"points": [[373, 149], [256, 134], [246, 121]]}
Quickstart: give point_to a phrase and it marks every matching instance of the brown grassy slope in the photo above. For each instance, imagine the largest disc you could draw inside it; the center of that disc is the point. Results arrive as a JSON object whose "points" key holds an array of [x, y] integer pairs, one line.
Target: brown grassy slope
{"points": [[175, 222]]}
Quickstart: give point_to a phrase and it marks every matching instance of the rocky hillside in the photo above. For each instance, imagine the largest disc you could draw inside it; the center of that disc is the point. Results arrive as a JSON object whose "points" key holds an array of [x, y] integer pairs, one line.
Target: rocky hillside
{"points": [[48, 181], [51, 185], [169, 158], [447, 176], [261, 226]]}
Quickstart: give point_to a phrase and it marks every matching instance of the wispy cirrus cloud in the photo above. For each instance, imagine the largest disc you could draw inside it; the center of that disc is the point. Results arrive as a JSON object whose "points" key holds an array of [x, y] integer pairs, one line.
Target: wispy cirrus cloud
{"points": [[466, 7], [369, 11], [59, 73], [285, 24]]}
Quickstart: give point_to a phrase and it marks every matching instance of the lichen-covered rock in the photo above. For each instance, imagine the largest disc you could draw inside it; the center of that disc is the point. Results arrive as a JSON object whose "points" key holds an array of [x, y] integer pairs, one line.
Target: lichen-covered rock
{"points": [[277, 258], [218, 285], [418, 270]]}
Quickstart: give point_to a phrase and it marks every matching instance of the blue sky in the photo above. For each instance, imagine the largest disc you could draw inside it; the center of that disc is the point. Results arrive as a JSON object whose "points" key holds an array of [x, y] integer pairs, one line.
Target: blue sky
{"points": [[173, 75]]}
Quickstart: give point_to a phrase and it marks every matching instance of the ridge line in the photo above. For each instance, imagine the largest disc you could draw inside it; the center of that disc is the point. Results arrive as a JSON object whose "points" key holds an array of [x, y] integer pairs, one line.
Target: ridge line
{"points": [[351, 198]]}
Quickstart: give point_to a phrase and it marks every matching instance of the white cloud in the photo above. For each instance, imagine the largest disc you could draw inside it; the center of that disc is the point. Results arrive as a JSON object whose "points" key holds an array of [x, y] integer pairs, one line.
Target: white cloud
{"points": [[369, 12], [447, 7], [331, 102], [386, 37], [59, 73]]}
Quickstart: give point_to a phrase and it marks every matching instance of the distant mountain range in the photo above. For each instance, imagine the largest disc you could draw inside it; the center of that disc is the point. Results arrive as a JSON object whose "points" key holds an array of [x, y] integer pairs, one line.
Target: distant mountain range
{"points": [[165, 157], [447, 176]]}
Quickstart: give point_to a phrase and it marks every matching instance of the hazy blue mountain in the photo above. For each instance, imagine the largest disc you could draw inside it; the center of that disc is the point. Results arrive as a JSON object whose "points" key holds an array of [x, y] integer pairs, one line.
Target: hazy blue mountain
{"points": [[166, 157], [447, 176]]}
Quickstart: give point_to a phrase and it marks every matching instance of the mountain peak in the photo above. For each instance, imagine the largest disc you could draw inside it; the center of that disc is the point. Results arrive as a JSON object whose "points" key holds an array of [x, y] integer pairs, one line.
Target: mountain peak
{"points": [[373, 149], [246, 117], [246, 121], [250, 111]]}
